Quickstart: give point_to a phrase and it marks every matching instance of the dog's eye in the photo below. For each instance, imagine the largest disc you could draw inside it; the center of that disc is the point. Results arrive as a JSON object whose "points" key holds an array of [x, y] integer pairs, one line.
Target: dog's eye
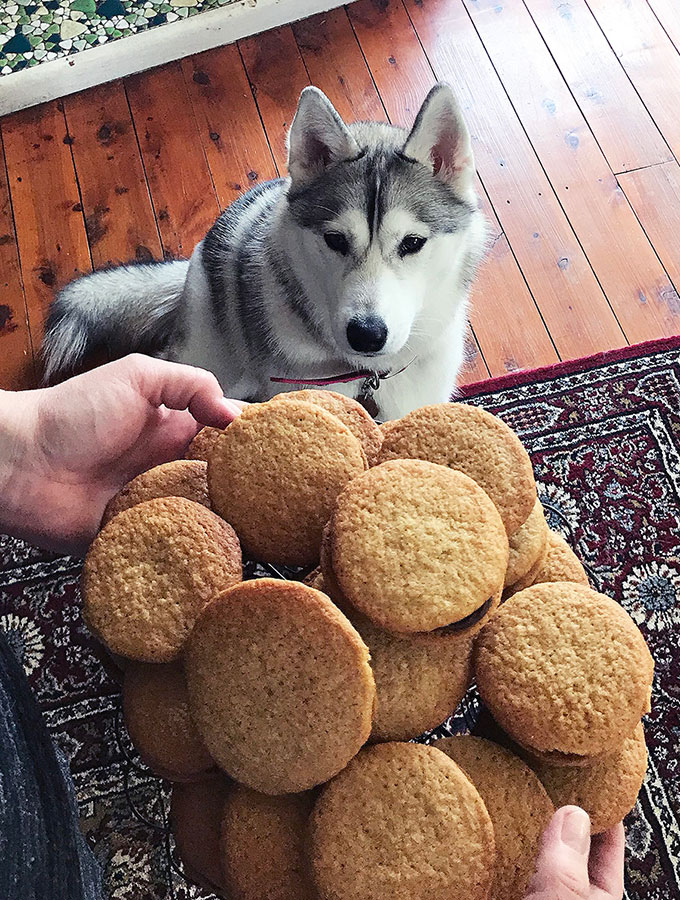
{"points": [[337, 241], [412, 243]]}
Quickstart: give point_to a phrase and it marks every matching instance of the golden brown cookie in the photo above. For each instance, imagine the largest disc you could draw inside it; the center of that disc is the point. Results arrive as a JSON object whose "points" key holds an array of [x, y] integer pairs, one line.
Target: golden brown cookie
{"points": [[151, 570], [479, 444], [527, 545], [519, 807], [300, 688], [419, 678], [195, 819], [401, 821], [203, 443], [563, 668], [275, 473], [606, 790], [527, 580], [353, 414], [156, 711], [560, 563], [488, 728], [327, 582], [531, 756], [416, 546], [263, 846], [180, 478]]}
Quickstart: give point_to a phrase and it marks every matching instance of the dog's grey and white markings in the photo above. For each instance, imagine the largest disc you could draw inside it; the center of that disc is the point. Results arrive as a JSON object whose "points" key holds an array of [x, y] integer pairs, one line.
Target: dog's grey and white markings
{"points": [[361, 260]]}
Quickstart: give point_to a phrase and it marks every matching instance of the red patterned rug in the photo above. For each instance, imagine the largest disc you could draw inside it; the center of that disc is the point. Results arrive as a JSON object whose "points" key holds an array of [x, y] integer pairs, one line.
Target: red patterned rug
{"points": [[604, 436]]}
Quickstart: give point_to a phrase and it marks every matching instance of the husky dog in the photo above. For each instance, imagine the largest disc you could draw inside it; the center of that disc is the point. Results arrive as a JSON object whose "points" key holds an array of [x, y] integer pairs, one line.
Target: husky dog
{"points": [[359, 262]]}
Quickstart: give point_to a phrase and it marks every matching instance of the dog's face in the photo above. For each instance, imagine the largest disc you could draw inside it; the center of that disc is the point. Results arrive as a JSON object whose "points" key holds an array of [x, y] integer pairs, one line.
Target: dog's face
{"points": [[384, 220]]}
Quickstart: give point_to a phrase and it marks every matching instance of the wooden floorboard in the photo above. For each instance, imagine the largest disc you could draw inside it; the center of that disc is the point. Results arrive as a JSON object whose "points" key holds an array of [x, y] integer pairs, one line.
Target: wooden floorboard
{"points": [[230, 130], [394, 56], [615, 245], [182, 190], [48, 212], [507, 322], [668, 14], [16, 349], [278, 75], [336, 65], [618, 118], [649, 58], [654, 194], [119, 216], [572, 109]]}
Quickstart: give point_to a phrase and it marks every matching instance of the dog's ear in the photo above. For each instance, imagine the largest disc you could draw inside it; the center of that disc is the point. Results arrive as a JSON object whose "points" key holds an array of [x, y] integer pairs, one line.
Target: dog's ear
{"points": [[440, 140], [317, 138]]}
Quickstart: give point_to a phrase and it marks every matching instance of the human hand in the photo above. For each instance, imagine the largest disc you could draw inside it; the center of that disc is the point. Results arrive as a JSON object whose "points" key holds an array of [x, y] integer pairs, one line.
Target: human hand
{"points": [[572, 867], [73, 446]]}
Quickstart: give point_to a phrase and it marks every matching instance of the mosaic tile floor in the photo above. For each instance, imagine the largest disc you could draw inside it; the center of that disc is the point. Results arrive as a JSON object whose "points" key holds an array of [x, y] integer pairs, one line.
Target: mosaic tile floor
{"points": [[32, 32]]}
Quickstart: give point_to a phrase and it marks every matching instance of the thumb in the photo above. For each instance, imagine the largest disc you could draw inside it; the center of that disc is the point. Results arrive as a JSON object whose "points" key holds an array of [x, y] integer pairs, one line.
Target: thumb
{"points": [[562, 865]]}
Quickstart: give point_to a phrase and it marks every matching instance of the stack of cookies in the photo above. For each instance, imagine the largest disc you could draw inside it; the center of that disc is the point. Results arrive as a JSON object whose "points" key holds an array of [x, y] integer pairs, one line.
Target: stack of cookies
{"points": [[284, 710]]}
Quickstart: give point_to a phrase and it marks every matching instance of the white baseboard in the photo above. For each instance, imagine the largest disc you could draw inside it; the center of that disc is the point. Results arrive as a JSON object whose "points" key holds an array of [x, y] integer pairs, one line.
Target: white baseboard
{"points": [[158, 45]]}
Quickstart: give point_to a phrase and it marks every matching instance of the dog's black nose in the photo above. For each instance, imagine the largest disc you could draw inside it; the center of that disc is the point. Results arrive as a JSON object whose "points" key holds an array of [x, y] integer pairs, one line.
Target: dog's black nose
{"points": [[367, 334]]}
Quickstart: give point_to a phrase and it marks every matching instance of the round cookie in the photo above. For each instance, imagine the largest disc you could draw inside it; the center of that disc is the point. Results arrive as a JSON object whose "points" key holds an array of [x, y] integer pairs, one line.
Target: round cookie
{"points": [[151, 570], [275, 473], [179, 478], [203, 443], [519, 807], [531, 756], [353, 414], [280, 685], [606, 790], [560, 563], [419, 679], [263, 846], [528, 579], [475, 442], [527, 545], [416, 546], [324, 580], [156, 712], [563, 668], [488, 728], [401, 821], [195, 820]]}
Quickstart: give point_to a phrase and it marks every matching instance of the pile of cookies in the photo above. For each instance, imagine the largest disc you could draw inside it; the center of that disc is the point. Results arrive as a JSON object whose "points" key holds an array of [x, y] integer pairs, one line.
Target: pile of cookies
{"points": [[284, 711]]}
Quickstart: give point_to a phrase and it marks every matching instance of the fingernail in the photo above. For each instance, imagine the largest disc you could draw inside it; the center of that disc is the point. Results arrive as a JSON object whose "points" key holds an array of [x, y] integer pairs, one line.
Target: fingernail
{"points": [[576, 831], [232, 408]]}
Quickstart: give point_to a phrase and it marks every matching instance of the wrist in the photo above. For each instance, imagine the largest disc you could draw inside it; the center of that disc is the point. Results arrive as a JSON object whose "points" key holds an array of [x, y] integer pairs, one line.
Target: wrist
{"points": [[18, 439]]}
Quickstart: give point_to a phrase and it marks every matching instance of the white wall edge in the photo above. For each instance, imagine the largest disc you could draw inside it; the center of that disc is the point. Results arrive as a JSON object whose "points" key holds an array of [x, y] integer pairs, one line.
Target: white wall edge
{"points": [[162, 44]]}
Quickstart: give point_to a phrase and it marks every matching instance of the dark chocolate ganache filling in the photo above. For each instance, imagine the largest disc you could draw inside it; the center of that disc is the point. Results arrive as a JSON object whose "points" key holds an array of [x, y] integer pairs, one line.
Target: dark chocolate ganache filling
{"points": [[468, 621]]}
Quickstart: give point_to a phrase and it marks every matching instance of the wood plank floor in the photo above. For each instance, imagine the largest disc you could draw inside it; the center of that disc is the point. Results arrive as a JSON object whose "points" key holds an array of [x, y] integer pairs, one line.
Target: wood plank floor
{"points": [[573, 111]]}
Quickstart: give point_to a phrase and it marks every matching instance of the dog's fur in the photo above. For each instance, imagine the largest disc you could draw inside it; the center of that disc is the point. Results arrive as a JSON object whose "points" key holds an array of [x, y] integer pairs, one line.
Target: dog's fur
{"points": [[265, 295]]}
